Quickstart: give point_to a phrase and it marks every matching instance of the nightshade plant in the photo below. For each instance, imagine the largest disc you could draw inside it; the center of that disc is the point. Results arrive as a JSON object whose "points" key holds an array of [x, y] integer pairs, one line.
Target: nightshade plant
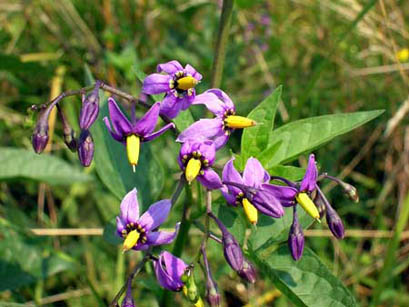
{"points": [[255, 179]]}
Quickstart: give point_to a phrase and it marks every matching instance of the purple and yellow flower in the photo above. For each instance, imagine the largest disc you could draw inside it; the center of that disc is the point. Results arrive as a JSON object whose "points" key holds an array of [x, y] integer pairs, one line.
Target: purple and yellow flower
{"points": [[133, 133], [219, 128], [140, 232], [169, 270], [177, 82], [195, 159], [249, 190]]}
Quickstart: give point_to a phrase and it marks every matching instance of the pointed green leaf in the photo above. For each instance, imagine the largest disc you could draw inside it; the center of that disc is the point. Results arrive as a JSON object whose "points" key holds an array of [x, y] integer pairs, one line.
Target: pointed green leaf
{"points": [[292, 173]]}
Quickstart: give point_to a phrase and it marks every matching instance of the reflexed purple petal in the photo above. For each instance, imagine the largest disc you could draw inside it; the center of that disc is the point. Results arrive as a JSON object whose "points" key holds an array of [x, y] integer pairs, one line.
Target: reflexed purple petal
{"points": [[201, 130], [212, 103], [174, 266], [284, 194], [170, 106], [231, 200], [156, 214], [120, 123], [156, 84], [207, 150], [162, 237], [130, 207], [231, 174], [224, 97], [254, 173], [267, 204], [210, 179], [120, 225], [158, 133], [169, 67], [191, 71], [171, 281], [220, 140], [187, 100], [147, 123], [115, 135], [310, 177]]}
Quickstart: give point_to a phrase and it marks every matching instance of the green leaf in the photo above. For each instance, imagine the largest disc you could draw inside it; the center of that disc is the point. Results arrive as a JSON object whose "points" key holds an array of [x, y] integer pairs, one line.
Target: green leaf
{"points": [[307, 134], [22, 163], [255, 139], [110, 234], [231, 218], [306, 282], [112, 165], [273, 231], [183, 120], [292, 173]]}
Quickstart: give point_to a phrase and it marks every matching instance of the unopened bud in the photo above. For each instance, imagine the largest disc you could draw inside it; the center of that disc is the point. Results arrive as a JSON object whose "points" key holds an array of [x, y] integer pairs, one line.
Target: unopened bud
{"points": [[248, 272], [350, 191], [212, 294], [128, 300], [335, 223], [85, 148], [69, 133], [296, 238], [90, 108], [320, 205]]}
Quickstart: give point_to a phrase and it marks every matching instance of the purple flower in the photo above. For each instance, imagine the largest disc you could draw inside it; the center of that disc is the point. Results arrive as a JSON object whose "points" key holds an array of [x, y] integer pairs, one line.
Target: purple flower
{"points": [[296, 238], [217, 129], [249, 190], [178, 83], [169, 270], [132, 133], [140, 232], [196, 159]]}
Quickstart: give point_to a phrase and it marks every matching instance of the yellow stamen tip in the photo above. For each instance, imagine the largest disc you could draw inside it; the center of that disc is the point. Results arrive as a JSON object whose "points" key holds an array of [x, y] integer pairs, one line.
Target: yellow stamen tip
{"points": [[308, 205], [186, 83], [133, 144], [130, 240], [235, 121], [318, 220], [192, 169], [250, 211]]}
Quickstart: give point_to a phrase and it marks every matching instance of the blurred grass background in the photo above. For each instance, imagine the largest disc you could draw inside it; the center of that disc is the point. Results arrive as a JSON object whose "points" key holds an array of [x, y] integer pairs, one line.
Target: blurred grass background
{"points": [[271, 43]]}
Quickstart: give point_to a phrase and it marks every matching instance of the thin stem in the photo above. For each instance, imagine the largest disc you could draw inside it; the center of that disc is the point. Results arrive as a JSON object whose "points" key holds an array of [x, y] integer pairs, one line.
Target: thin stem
{"points": [[221, 42], [212, 236], [179, 188], [282, 179]]}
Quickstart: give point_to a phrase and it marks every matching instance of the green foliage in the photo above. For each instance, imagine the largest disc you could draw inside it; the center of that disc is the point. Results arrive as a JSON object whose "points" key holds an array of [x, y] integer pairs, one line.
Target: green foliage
{"points": [[21, 163]]}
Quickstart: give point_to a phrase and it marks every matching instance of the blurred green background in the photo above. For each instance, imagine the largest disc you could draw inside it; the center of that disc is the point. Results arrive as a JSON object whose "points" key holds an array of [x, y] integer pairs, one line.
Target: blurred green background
{"points": [[45, 46]]}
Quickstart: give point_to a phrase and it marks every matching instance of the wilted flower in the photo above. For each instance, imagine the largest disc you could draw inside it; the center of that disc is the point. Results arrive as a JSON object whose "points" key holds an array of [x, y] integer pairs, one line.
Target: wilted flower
{"points": [[140, 232], [86, 148], [169, 270], [296, 238], [195, 159], [248, 272], [178, 83], [217, 129], [248, 190], [133, 133]]}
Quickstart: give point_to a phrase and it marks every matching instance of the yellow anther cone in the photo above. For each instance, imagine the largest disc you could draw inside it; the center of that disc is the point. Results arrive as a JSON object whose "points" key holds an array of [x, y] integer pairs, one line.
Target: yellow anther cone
{"points": [[133, 144], [199, 303], [130, 240], [192, 169], [186, 83], [234, 121], [250, 211], [307, 204]]}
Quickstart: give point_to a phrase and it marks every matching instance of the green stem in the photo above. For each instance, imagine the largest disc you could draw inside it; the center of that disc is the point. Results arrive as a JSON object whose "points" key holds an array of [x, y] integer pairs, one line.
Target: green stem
{"points": [[221, 42]]}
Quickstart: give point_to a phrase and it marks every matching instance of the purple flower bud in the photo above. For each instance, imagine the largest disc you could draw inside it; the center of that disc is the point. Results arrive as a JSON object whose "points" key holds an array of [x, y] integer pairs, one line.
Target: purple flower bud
{"points": [[212, 295], [90, 108], [128, 300], [85, 148], [248, 272], [320, 205], [296, 238], [335, 223], [69, 133]]}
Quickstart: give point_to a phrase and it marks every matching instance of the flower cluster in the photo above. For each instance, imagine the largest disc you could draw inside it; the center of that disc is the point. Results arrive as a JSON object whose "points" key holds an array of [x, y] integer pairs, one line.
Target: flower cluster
{"points": [[255, 190]]}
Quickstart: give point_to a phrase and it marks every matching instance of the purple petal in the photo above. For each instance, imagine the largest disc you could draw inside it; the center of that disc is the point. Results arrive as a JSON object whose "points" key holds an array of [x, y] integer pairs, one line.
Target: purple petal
{"points": [[212, 103], [170, 106], [156, 215], [187, 100], [147, 123], [156, 84], [168, 270], [205, 147], [115, 135], [285, 195], [169, 67], [202, 129], [230, 199], [223, 97], [220, 140], [310, 177], [267, 204], [254, 173], [174, 266], [120, 123], [130, 207], [210, 179], [191, 71], [231, 174], [162, 237], [120, 225], [158, 133]]}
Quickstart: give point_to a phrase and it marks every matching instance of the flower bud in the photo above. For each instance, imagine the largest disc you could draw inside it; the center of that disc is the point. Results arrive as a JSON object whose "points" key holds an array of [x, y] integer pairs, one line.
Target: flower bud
{"points": [[90, 108], [85, 148], [128, 300], [320, 205], [248, 272], [296, 238], [350, 191], [69, 133], [39, 138], [335, 223], [212, 295]]}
